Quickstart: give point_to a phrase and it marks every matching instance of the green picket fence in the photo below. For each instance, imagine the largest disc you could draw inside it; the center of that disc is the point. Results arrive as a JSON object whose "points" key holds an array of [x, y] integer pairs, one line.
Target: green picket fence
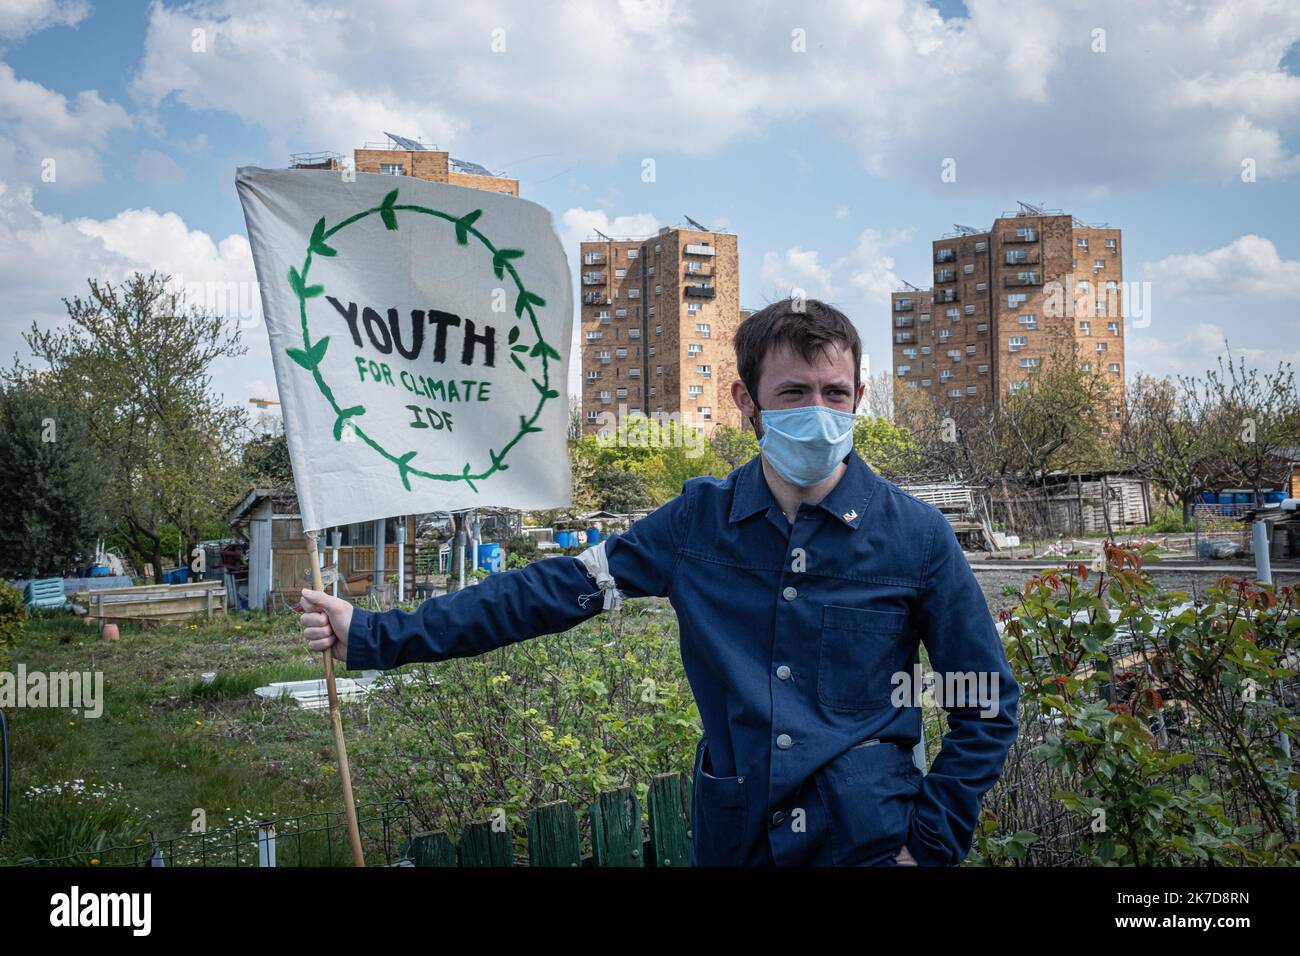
{"points": [[554, 836]]}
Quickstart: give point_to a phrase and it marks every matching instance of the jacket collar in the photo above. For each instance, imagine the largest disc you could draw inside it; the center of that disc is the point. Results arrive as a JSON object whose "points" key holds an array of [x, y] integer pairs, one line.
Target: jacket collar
{"points": [[847, 501]]}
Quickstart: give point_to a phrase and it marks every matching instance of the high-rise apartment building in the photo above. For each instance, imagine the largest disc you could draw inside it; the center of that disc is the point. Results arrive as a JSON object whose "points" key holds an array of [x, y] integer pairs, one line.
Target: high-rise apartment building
{"points": [[1001, 300], [401, 156], [658, 317]]}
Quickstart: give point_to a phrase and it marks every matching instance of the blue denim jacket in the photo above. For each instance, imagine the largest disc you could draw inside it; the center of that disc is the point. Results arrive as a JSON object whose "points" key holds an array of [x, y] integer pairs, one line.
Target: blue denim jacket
{"points": [[790, 634]]}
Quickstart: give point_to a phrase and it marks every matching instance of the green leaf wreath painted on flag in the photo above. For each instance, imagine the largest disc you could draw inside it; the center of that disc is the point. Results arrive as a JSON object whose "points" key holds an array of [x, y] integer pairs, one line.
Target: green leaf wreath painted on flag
{"points": [[503, 263]]}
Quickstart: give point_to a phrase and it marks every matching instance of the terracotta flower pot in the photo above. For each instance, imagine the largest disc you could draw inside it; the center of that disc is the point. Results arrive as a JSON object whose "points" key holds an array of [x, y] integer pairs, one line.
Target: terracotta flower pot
{"points": [[109, 632]]}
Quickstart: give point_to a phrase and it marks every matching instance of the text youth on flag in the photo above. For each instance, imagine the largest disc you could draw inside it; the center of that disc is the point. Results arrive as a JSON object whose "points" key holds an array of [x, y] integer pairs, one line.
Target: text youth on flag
{"points": [[420, 334]]}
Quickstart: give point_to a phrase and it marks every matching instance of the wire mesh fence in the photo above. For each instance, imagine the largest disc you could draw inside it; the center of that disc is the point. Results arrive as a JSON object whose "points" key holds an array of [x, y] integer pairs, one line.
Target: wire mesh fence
{"points": [[310, 839]]}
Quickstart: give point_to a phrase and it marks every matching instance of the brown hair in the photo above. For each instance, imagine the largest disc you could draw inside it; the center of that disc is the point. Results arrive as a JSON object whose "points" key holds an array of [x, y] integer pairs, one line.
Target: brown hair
{"points": [[805, 326]]}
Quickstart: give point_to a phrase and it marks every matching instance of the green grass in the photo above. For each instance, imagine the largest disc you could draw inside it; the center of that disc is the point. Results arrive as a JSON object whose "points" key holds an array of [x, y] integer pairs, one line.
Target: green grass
{"points": [[166, 745]]}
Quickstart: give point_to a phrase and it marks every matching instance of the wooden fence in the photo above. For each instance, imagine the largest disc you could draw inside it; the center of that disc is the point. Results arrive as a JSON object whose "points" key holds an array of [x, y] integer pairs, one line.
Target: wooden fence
{"points": [[554, 835]]}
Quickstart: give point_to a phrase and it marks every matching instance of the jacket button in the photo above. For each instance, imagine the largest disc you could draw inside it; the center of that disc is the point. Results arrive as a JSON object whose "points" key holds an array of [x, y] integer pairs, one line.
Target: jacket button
{"points": [[778, 817], [783, 672], [784, 742], [789, 594]]}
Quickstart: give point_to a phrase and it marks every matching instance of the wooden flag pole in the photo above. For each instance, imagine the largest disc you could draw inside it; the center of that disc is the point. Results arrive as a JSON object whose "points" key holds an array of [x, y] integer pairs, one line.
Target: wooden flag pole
{"points": [[336, 721]]}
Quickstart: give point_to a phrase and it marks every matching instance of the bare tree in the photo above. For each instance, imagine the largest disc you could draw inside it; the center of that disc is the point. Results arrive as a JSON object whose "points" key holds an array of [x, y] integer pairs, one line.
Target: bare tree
{"points": [[1164, 434], [878, 399], [1255, 421]]}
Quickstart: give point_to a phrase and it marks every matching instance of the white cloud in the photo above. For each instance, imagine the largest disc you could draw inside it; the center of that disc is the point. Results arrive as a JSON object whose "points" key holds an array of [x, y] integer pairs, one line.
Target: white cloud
{"points": [[1182, 89], [797, 268], [841, 212], [873, 270], [44, 259], [18, 18], [578, 225], [1248, 266], [38, 124]]}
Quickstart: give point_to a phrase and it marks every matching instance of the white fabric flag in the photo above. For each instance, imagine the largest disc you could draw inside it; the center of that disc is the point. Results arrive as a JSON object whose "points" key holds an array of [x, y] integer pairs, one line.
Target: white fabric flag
{"points": [[420, 334]]}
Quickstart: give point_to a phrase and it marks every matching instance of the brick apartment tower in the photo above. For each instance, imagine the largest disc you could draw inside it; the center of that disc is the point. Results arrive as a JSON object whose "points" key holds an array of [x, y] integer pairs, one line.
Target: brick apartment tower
{"points": [[1002, 297], [401, 156], [658, 318]]}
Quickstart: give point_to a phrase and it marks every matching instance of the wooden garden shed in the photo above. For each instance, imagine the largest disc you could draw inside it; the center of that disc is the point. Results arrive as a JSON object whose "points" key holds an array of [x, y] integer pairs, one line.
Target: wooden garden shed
{"points": [[268, 519]]}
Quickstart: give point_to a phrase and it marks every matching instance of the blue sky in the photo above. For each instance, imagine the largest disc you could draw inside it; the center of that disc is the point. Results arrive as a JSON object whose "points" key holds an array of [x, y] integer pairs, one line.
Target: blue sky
{"points": [[824, 160]]}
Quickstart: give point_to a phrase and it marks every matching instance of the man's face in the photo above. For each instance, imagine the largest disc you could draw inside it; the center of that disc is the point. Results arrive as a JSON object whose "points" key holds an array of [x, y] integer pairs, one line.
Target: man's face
{"points": [[787, 381]]}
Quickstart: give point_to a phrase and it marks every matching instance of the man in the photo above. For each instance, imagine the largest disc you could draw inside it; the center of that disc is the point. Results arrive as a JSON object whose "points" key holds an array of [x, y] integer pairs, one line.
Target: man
{"points": [[803, 583]]}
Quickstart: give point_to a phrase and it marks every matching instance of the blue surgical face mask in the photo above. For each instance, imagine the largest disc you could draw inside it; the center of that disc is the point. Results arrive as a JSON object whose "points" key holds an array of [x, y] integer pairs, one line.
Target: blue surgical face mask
{"points": [[805, 444]]}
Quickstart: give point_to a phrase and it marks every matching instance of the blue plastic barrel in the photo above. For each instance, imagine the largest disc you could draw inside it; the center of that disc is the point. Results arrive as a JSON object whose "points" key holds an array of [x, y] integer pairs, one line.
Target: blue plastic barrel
{"points": [[1209, 497], [593, 536], [489, 557], [1244, 498], [1274, 496]]}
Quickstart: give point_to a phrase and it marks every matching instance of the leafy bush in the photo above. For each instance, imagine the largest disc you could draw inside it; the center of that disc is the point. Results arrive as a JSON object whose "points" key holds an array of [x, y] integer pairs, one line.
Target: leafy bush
{"points": [[1159, 722], [563, 716], [13, 617]]}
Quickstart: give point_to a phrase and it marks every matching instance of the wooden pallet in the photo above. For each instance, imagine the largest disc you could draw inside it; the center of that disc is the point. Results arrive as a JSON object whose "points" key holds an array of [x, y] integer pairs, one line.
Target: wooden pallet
{"points": [[154, 602]]}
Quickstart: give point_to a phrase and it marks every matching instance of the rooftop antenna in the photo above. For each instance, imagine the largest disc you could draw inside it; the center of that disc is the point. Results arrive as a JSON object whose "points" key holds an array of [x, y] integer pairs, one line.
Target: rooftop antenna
{"points": [[696, 225], [910, 287], [966, 230], [1029, 209], [602, 235]]}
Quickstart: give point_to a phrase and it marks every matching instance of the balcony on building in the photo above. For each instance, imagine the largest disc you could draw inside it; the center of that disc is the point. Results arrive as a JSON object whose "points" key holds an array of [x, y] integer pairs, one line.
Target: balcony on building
{"points": [[1022, 235], [1024, 278], [595, 298], [902, 321], [593, 258], [700, 291], [593, 278], [1022, 257], [701, 269], [946, 275], [945, 255], [945, 295], [699, 249], [904, 338], [903, 305]]}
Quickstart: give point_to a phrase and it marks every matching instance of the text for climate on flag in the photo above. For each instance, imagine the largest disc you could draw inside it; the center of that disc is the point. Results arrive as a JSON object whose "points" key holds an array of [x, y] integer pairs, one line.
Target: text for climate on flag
{"points": [[420, 335]]}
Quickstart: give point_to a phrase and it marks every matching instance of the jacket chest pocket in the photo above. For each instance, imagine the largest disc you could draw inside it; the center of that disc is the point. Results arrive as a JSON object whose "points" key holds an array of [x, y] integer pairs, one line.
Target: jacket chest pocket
{"points": [[869, 793], [719, 808], [860, 652]]}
